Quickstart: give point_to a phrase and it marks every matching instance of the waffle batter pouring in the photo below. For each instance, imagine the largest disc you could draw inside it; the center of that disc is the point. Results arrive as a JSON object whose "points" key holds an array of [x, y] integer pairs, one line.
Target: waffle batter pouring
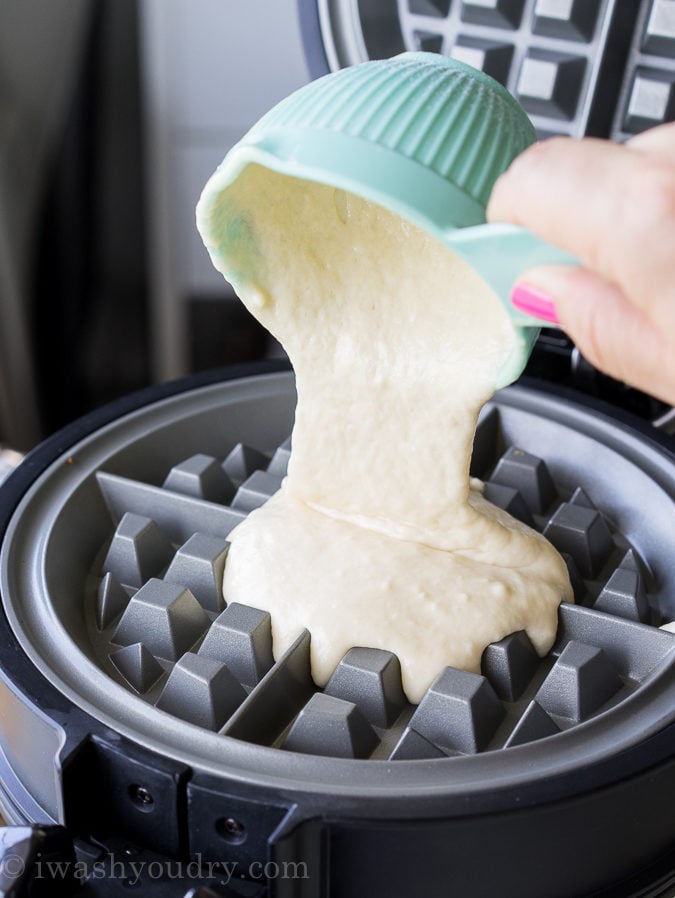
{"points": [[377, 537]]}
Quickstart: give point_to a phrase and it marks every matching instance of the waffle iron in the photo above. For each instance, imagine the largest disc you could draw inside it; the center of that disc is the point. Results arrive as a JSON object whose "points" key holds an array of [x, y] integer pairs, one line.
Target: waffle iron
{"points": [[144, 723]]}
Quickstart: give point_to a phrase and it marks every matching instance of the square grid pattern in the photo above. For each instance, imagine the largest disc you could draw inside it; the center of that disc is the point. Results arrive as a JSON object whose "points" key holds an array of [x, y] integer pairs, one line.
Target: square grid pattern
{"points": [[648, 90], [600, 67], [157, 621]]}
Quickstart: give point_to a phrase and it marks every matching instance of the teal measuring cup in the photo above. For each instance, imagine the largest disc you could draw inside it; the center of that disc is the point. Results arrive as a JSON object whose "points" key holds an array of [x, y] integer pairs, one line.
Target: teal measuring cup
{"points": [[422, 135]]}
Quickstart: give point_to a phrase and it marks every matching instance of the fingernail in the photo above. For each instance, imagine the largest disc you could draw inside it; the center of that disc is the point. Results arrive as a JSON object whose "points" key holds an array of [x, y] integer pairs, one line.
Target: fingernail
{"points": [[531, 301]]}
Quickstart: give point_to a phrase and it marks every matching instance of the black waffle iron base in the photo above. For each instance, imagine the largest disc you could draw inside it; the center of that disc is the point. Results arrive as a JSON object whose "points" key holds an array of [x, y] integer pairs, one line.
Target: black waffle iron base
{"points": [[149, 739]]}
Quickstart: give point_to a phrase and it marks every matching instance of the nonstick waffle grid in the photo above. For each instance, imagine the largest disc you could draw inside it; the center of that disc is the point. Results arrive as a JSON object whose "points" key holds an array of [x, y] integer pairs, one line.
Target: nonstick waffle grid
{"points": [[599, 67], [158, 625]]}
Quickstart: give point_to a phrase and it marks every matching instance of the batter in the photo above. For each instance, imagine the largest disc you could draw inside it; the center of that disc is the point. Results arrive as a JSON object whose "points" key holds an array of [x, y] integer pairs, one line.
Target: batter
{"points": [[377, 537]]}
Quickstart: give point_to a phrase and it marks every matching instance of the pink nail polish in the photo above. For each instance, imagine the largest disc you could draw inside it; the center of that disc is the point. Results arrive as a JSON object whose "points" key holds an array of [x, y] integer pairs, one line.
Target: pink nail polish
{"points": [[533, 302]]}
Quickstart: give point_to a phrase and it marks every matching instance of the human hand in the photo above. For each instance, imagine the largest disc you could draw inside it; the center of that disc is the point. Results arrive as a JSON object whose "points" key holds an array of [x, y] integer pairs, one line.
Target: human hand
{"points": [[613, 207]]}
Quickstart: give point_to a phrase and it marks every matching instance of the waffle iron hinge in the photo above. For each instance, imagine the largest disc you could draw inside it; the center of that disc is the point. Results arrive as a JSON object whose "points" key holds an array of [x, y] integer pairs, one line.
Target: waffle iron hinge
{"points": [[116, 792], [113, 788]]}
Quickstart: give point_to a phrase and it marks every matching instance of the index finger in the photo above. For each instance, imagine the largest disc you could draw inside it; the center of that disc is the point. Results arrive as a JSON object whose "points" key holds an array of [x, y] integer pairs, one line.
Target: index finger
{"points": [[613, 208]]}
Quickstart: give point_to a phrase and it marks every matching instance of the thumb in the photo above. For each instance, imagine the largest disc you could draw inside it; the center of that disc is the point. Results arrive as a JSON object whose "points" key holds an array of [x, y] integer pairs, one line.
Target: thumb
{"points": [[614, 335]]}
